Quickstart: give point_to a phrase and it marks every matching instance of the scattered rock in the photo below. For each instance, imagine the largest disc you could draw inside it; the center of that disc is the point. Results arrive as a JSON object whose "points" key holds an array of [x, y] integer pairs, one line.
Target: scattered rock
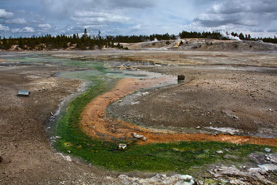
{"points": [[159, 179], [122, 146], [267, 150], [219, 152], [257, 174], [238, 182], [273, 158], [268, 167], [198, 127]]}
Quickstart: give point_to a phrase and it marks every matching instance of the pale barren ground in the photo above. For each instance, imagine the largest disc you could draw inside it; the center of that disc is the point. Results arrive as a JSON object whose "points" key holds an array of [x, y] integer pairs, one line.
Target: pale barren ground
{"points": [[218, 86]]}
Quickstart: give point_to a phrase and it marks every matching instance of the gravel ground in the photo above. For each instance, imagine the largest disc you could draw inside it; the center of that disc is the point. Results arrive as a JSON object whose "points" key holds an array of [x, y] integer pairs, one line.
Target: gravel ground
{"points": [[24, 147], [239, 98]]}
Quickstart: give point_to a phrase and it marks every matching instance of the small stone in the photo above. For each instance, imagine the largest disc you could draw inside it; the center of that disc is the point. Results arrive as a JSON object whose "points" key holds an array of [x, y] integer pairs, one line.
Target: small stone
{"points": [[181, 77], [1, 159], [122, 146], [270, 110], [219, 152], [267, 150], [198, 127], [137, 136], [200, 182], [145, 93]]}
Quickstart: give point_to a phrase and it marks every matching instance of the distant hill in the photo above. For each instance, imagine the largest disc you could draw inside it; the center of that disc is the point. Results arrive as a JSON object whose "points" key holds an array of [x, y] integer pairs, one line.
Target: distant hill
{"points": [[203, 44]]}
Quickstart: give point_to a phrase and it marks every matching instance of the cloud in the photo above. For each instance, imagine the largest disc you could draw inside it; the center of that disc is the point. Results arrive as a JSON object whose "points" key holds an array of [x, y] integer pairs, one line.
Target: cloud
{"points": [[252, 13], [141, 4], [4, 28], [4, 14], [16, 21], [23, 30], [44, 26], [87, 17], [137, 16]]}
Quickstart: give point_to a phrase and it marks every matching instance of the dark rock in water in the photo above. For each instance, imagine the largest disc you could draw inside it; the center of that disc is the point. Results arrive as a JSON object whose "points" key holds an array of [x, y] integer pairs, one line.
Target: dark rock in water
{"points": [[1, 159], [181, 77]]}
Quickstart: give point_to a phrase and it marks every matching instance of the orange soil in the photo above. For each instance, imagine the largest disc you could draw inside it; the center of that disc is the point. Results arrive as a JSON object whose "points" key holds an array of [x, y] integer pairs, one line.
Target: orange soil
{"points": [[2, 60], [94, 124]]}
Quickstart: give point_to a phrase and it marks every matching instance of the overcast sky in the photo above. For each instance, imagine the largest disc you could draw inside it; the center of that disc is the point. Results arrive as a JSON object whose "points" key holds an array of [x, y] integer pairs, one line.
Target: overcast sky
{"points": [[128, 17]]}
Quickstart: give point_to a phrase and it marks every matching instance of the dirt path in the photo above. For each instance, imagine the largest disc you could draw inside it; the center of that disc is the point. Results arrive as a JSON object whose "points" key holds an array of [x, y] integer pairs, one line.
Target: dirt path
{"points": [[94, 124]]}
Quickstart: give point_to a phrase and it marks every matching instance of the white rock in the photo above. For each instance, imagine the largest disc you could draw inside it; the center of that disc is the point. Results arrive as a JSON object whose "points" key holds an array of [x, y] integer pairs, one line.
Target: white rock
{"points": [[145, 93], [67, 158], [135, 103], [122, 146], [135, 135], [268, 167], [267, 149]]}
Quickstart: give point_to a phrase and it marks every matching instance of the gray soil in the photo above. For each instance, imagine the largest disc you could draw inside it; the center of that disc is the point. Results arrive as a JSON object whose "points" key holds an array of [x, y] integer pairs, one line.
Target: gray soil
{"points": [[24, 147], [211, 97]]}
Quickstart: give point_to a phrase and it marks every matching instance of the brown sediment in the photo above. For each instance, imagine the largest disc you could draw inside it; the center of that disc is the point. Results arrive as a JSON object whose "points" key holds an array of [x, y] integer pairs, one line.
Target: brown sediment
{"points": [[94, 124], [2, 60]]}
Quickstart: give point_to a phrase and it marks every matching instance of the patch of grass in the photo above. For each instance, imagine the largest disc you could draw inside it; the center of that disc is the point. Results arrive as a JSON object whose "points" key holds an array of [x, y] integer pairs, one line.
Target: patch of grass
{"points": [[181, 157]]}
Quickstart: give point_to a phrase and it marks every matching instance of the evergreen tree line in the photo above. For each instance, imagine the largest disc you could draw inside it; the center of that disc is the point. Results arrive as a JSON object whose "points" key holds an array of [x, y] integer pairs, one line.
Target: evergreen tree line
{"points": [[270, 40], [49, 42], [211, 35], [141, 38], [86, 42], [248, 37]]}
